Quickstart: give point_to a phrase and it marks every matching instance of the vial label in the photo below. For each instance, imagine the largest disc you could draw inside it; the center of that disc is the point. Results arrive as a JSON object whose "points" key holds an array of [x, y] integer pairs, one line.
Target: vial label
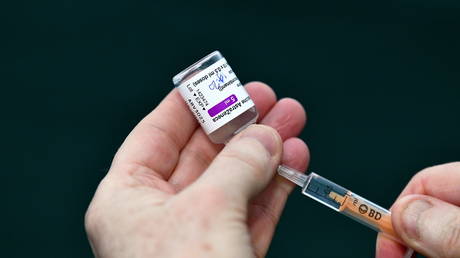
{"points": [[215, 96]]}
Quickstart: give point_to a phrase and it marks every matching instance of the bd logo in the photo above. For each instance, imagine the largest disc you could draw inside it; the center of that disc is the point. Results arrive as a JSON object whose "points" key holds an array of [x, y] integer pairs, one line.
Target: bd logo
{"points": [[363, 209]]}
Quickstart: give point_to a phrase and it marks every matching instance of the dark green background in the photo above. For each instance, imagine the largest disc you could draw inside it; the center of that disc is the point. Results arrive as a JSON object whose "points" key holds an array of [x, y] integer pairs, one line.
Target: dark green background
{"points": [[379, 79]]}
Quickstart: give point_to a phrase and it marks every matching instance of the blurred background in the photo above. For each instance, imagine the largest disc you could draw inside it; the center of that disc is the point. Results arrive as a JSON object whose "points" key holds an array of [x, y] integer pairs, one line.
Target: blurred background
{"points": [[379, 80]]}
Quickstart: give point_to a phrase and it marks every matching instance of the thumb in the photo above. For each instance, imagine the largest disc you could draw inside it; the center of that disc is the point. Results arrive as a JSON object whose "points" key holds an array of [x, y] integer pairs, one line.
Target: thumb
{"points": [[246, 164], [428, 225]]}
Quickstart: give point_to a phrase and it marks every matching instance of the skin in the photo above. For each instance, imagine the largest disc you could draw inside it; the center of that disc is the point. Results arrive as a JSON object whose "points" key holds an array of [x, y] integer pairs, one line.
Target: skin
{"points": [[431, 202], [170, 192]]}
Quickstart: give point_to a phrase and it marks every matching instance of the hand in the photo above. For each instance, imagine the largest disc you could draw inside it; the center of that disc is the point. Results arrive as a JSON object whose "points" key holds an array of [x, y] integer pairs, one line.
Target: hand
{"points": [[170, 192], [427, 215]]}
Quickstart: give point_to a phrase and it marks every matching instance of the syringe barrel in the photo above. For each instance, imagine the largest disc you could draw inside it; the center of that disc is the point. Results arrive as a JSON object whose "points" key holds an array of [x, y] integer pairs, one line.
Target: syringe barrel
{"points": [[369, 214], [350, 204]]}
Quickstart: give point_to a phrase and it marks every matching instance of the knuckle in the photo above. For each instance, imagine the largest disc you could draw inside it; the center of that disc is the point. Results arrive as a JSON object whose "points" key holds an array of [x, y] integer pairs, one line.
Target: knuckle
{"points": [[94, 215], [251, 162], [91, 220], [198, 153], [265, 213], [167, 136], [248, 152], [156, 138]]}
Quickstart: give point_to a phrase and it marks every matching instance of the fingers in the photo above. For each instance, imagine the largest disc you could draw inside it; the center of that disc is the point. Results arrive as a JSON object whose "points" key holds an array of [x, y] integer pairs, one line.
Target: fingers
{"points": [[263, 97], [387, 248], [194, 159], [296, 155], [245, 166], [200, 151], [288, 117], [428, 225], [154, 144], [440, 182], [265, 210]]}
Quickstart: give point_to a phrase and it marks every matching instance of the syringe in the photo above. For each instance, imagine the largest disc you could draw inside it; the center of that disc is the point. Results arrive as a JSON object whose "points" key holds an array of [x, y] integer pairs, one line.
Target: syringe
{"points": [[342, 200]]}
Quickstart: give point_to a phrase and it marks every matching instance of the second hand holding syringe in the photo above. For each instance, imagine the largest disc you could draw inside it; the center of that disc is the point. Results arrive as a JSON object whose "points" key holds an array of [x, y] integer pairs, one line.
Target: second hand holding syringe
{"points": [[342, 200]]}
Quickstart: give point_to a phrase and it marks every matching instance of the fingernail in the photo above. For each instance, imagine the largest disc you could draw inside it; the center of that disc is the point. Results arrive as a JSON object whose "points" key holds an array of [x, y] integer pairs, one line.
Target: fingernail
{"points": [[265, 136], [411, 216]]}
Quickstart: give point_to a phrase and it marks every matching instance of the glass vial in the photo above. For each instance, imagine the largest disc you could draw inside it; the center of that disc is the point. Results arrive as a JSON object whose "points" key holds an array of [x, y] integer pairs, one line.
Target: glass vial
{"points": [[216, 97]]}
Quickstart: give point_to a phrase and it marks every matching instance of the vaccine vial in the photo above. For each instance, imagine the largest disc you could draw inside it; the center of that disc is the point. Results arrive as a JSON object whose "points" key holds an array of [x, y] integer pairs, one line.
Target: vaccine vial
{"points": [[216, 97]]}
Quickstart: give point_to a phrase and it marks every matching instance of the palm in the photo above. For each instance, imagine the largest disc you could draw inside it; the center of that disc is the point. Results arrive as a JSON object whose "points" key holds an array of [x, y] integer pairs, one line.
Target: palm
{"points": [[167, 152]]}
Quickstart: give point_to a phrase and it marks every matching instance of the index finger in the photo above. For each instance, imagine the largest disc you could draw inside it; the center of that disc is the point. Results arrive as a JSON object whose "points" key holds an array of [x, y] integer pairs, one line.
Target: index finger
{"points": [[155, 142], [440, 182]]}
